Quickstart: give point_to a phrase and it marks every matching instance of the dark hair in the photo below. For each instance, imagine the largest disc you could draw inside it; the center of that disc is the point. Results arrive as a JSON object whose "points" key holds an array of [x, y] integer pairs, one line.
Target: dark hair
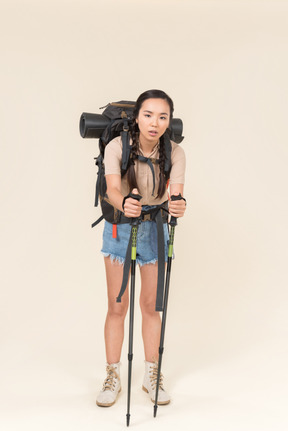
{"points": [[150, 94]]}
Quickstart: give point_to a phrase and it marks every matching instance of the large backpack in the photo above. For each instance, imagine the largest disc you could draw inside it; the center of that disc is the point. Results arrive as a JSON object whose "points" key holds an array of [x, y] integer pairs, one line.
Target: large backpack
{"points": [[116, 120]]}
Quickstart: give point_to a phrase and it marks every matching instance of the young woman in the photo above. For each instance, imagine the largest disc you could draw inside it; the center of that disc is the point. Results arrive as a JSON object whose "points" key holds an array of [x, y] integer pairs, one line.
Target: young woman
{"points": [[152, 115]]}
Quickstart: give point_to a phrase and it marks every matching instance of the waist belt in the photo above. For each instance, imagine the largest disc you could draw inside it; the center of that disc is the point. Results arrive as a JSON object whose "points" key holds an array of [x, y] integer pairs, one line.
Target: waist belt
{"points": [[114, 216], [149, 215]]}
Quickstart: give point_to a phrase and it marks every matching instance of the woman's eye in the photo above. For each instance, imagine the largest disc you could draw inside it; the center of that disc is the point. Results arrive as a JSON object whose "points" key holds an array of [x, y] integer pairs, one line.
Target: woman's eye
{"points": [[163, 118], [147, 115]]}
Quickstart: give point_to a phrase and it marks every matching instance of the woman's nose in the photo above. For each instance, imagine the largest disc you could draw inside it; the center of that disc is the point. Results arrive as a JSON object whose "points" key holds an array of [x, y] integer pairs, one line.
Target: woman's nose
{"points": [[154, 122]]}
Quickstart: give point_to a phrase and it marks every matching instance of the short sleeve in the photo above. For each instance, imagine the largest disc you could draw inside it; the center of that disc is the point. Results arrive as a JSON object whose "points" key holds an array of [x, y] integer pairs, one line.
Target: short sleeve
{"points": [[178, 160], [113, 157]]}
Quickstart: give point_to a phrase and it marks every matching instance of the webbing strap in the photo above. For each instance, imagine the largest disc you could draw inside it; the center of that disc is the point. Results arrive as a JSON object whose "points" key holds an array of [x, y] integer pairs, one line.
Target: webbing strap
{"points": [[126, 269], [97, 221], [127, 262], [149, 163], [125, 147], [100, 173], [161, 262]]}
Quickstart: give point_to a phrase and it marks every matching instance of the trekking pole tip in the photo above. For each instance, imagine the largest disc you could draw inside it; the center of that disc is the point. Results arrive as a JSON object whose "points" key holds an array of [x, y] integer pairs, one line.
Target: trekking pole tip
{"points": [[155, 410], [127, 419]]}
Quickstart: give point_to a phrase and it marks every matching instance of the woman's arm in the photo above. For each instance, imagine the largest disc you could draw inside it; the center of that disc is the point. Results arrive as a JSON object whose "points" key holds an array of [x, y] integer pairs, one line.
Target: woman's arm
{"points": [[177, 208], [132, 208]]}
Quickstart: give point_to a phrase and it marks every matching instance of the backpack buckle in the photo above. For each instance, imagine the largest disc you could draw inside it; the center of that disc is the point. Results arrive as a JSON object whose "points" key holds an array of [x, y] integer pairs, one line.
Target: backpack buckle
{"points": [[146, 217]]}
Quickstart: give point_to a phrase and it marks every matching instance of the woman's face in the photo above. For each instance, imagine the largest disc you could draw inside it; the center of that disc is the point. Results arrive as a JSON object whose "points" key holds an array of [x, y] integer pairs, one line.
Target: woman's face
{"points": [[153, 120]]}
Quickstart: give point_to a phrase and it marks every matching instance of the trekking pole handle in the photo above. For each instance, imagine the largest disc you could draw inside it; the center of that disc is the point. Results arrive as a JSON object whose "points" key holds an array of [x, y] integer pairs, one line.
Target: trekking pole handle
{"points": [[134, 196], [134, 221], [173, 220]]}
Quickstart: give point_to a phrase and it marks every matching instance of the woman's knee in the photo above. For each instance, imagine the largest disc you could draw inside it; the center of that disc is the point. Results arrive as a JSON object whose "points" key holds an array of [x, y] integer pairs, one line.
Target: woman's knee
{"points": [[117, 309], [147, 305]]}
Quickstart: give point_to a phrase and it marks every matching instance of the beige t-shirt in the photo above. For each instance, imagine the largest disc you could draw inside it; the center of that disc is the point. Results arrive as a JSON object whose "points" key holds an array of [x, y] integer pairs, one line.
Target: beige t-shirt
{"points": [[113, 159]]}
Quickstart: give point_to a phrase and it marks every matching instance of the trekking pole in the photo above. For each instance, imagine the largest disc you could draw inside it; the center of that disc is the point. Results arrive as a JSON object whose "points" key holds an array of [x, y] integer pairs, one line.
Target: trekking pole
{"points": [[131, 251], [134, 228], [172, 223]]}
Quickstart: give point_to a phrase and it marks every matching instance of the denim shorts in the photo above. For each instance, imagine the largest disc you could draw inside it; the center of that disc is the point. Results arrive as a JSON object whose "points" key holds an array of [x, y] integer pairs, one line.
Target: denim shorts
{"points": [[147, 249]]}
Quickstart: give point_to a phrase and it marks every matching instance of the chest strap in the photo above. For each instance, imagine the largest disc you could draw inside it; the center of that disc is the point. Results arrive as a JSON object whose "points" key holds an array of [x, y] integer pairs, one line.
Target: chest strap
{"points": [[149, 162]]}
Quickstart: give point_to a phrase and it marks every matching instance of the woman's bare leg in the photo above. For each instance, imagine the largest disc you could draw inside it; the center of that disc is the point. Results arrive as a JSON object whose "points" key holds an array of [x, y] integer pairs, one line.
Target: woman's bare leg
{"points": [[151, 322], [114, 325]]}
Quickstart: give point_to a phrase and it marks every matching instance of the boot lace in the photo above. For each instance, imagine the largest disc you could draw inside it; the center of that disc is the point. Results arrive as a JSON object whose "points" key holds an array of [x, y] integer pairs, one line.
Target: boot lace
{"points": [[153, 377], [110, 381]]}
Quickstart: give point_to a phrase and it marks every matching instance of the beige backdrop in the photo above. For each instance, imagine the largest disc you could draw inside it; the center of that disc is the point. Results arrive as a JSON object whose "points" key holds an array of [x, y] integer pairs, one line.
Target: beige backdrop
{"points": [[225, 65]]}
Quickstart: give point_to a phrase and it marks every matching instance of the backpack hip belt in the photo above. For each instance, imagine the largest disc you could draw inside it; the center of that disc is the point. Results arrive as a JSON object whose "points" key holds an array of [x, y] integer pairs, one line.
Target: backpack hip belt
{"points": [[114, 216]]}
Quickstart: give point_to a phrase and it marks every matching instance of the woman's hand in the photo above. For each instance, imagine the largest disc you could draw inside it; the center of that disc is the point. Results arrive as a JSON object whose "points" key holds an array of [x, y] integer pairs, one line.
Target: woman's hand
{"points": [[177, 208], [132, 207]]}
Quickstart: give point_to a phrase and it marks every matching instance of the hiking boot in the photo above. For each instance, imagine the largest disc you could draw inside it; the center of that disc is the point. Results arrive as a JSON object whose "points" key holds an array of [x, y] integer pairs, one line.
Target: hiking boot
{"points": [[111, 386], [150, 382]]}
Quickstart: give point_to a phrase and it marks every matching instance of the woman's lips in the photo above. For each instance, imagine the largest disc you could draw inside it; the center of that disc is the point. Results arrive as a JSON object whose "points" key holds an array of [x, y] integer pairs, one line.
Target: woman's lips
{"points": [[152, 133]]}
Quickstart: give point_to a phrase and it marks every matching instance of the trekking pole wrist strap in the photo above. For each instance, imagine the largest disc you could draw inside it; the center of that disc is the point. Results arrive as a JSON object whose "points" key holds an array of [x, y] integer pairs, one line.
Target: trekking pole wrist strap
{"points": [[133, 196], [178, 198]]}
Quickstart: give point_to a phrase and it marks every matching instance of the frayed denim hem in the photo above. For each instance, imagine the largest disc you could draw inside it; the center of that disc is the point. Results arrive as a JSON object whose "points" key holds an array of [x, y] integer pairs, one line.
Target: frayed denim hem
{"points": [[121, 260], [153, 261], [142, 263], [114, 258]]}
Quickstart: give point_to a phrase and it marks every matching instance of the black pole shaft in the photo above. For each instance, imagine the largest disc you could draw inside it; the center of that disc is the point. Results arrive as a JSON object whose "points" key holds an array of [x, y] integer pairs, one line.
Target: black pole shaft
{"points": [[173, 223], [163, 325], [131, 327], [134, 230]]}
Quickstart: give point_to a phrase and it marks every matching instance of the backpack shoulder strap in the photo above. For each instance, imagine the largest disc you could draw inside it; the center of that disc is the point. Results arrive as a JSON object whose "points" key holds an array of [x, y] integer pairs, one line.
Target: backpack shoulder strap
{"points": [[126, 148], [168, 150]]}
